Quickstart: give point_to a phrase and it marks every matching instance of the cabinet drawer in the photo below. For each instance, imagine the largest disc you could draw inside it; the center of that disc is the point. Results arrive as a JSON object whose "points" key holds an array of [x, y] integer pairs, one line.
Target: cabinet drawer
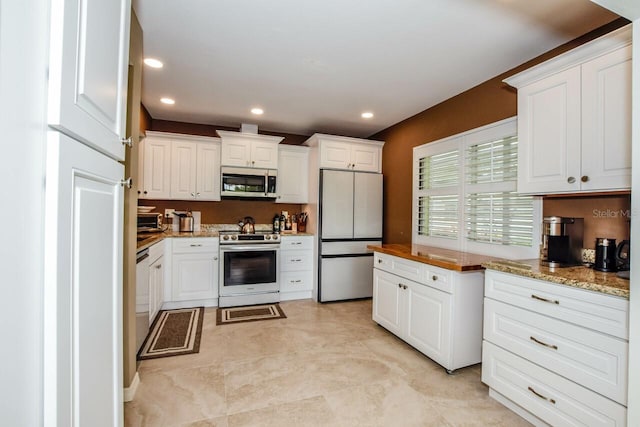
{"points": [[546, 395], [399, 266], [438, 278], [156, 251], [195, 244], [593, 310], [296, 242], [296, 260], [592, 359], [292, 281]]}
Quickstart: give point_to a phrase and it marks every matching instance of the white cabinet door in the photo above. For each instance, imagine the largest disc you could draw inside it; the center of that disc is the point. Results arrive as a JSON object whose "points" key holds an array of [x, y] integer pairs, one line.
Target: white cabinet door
{"points": [[549, 134], [156, 288], [293, 175], [236, 152], [82, 286], [429, 321], [606, 121], [388, 302], [264, 155], [335, 155], [208, 171], [367, 205], [366, 158], [194, 276], [89, 58], [183, 170], [157, 169]]}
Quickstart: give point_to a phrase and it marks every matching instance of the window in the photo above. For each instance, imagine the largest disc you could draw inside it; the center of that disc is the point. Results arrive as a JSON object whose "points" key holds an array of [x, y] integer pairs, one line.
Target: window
{"points": [[469, 201]]}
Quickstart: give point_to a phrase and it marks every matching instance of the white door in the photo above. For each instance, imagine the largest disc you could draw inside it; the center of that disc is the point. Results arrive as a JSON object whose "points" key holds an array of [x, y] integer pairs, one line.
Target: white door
{"points": [[337, 204], [335, 155], [549, 134], [83, 286], [89, 57], [208, 171], [157, 169], [367, 205], [195, 276], [183, 170], [292, 176], [264, 155], [429, 321], [236, 152], [366, 158], [606, 121], [388, 299]]}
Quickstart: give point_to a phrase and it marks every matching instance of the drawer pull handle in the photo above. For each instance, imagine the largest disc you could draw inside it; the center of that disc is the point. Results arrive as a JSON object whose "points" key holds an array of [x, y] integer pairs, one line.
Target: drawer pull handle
{"points": [[555, 347], [195, 246], [554, 301], [379, 261], [296, 260], [541, 396]]}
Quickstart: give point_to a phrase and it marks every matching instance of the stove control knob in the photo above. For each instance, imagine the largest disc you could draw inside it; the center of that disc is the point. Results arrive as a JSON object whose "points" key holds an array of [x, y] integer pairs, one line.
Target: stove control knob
{"points": [[225, 237], [234, 237], [267, 237], [275, 237]]}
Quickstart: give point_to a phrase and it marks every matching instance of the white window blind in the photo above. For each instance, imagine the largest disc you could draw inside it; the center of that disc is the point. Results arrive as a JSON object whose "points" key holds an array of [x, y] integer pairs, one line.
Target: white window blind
{"points": [[438, 185], [494, 212]]}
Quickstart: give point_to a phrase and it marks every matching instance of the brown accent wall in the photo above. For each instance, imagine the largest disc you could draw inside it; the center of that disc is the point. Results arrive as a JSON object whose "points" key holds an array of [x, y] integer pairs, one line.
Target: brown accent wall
{"points": [[604, 216], [225, 211], [486, 103]]}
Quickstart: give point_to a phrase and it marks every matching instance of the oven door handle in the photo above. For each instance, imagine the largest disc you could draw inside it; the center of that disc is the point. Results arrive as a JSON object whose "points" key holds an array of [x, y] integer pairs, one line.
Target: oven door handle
{"points": [[249, 248]]}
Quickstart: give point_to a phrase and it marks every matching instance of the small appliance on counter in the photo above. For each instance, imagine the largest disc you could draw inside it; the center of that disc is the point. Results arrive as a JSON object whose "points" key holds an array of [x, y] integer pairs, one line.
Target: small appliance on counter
{"points": [[150, 222], [185, 221], [561, 241], [622, 255], [605, 255]]}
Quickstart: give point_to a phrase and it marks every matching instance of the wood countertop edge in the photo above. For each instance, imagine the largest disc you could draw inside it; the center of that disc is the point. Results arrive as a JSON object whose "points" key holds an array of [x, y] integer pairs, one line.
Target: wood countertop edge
{"points": [[424, 260]]}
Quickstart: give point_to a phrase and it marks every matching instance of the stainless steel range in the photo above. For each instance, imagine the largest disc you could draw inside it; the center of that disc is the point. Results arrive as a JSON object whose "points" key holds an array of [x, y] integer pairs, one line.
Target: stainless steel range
{"points": [[249, 265]]}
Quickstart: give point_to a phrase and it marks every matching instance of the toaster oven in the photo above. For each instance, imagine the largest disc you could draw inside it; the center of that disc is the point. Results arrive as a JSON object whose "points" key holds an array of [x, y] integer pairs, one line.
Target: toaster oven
{"points": [[150, 222]]}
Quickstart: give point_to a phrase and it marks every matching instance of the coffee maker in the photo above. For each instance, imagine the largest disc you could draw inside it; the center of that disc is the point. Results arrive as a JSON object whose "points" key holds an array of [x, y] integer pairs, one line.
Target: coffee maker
{"points": [[561, 241]]}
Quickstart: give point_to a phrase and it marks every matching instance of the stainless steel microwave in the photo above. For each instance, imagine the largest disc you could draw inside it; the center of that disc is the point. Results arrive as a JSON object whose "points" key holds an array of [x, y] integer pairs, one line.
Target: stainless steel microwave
{"points": [[248, 182]]}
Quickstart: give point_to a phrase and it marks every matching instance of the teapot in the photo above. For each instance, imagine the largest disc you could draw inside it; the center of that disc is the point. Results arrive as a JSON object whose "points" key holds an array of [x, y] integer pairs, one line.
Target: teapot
{"points": [[247, 225]]}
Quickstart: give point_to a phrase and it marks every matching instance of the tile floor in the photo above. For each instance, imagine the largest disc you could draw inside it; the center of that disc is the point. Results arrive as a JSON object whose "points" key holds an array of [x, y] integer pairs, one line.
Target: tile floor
{"points": [[325, 365]]}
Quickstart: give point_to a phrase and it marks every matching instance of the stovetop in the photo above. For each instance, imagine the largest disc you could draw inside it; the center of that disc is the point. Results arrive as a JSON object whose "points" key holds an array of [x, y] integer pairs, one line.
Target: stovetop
{"points": [[231, 237]]}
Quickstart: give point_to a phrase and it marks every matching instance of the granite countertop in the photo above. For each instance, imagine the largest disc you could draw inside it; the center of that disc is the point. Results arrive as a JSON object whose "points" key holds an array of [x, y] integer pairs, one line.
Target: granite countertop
{"points": [[578, 277], [444, 258], [153, 238]]}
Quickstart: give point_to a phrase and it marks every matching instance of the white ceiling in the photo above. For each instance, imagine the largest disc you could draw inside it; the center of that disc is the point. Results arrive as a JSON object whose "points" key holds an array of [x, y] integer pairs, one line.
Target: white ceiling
{"points": [[316, 65]]}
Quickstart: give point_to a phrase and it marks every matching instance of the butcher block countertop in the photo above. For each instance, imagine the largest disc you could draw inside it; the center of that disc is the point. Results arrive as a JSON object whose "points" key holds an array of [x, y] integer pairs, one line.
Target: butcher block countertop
{"points": [[577, 277], [444, 258]]}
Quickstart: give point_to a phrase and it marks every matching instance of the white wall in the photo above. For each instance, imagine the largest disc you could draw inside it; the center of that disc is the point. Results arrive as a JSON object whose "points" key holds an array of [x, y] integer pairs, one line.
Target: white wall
{"points": [[23, 58], [634, 316]]}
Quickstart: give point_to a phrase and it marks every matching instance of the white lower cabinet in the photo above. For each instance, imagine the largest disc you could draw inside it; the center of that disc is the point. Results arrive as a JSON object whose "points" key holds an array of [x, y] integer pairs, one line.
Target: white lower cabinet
{"points": [[296, 267], [555, 354], [156, 279], [194, 272], [440, 313]]}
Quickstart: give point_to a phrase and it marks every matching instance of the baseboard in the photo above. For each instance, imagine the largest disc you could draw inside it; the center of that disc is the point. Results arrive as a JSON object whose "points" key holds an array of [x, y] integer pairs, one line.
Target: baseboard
{"points": [[172, 305], [130, 392]]}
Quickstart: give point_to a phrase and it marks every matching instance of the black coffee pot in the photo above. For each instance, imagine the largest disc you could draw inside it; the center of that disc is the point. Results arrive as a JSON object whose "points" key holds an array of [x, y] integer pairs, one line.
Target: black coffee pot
{"points": [[605, 255], [622, 255]]}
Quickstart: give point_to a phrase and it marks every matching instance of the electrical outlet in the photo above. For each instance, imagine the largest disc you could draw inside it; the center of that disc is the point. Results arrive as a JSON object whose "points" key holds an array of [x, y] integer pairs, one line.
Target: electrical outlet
{"points": [[168, 213]]}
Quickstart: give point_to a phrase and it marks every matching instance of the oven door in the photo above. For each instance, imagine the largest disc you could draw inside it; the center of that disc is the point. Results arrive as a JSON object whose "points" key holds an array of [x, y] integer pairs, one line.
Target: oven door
{"points": [[248, 269]]}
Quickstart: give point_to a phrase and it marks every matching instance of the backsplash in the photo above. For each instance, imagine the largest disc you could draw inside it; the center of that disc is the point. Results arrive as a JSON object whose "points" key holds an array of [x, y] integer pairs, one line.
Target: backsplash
{"points": [[604, 216]]}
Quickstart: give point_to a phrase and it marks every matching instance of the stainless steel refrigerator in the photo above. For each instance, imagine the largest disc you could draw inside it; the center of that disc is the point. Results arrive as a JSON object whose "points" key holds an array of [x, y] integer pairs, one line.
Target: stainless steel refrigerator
{"points": [[350, 219]]}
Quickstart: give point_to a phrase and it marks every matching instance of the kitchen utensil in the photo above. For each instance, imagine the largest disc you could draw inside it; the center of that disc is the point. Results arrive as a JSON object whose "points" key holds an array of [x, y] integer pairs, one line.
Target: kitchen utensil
{"points": [[605, 254], [248, 225], [622, 255]]}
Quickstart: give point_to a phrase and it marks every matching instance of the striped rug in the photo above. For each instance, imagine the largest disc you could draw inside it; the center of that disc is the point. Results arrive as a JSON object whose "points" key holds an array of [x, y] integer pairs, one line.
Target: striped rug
{"points": [[226, 316], [174, 332]]}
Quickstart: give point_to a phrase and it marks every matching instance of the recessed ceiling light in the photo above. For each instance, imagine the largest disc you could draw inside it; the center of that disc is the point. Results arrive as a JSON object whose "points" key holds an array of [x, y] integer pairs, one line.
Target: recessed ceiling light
{"points": [[257, 111], [153, 63], [366, 115], [167, 101]]}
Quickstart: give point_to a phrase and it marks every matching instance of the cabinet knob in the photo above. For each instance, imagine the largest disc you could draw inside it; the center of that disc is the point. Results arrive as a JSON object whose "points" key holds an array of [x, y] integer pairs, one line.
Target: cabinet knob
{"points": [[434, 277], [584, 178], [404, 286], [193, 195], [127, 141], [571, 180], [145, 191], [159, 266], [400, 285], [138, 191], [379, 261], [215, 258]]}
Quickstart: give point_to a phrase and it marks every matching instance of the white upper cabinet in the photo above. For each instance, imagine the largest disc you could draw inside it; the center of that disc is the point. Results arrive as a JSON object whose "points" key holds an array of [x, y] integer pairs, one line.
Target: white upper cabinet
{"points": [[180, 167], [88, 71], [574, 119], [293, 176], [340, 152], [249, 150]]}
